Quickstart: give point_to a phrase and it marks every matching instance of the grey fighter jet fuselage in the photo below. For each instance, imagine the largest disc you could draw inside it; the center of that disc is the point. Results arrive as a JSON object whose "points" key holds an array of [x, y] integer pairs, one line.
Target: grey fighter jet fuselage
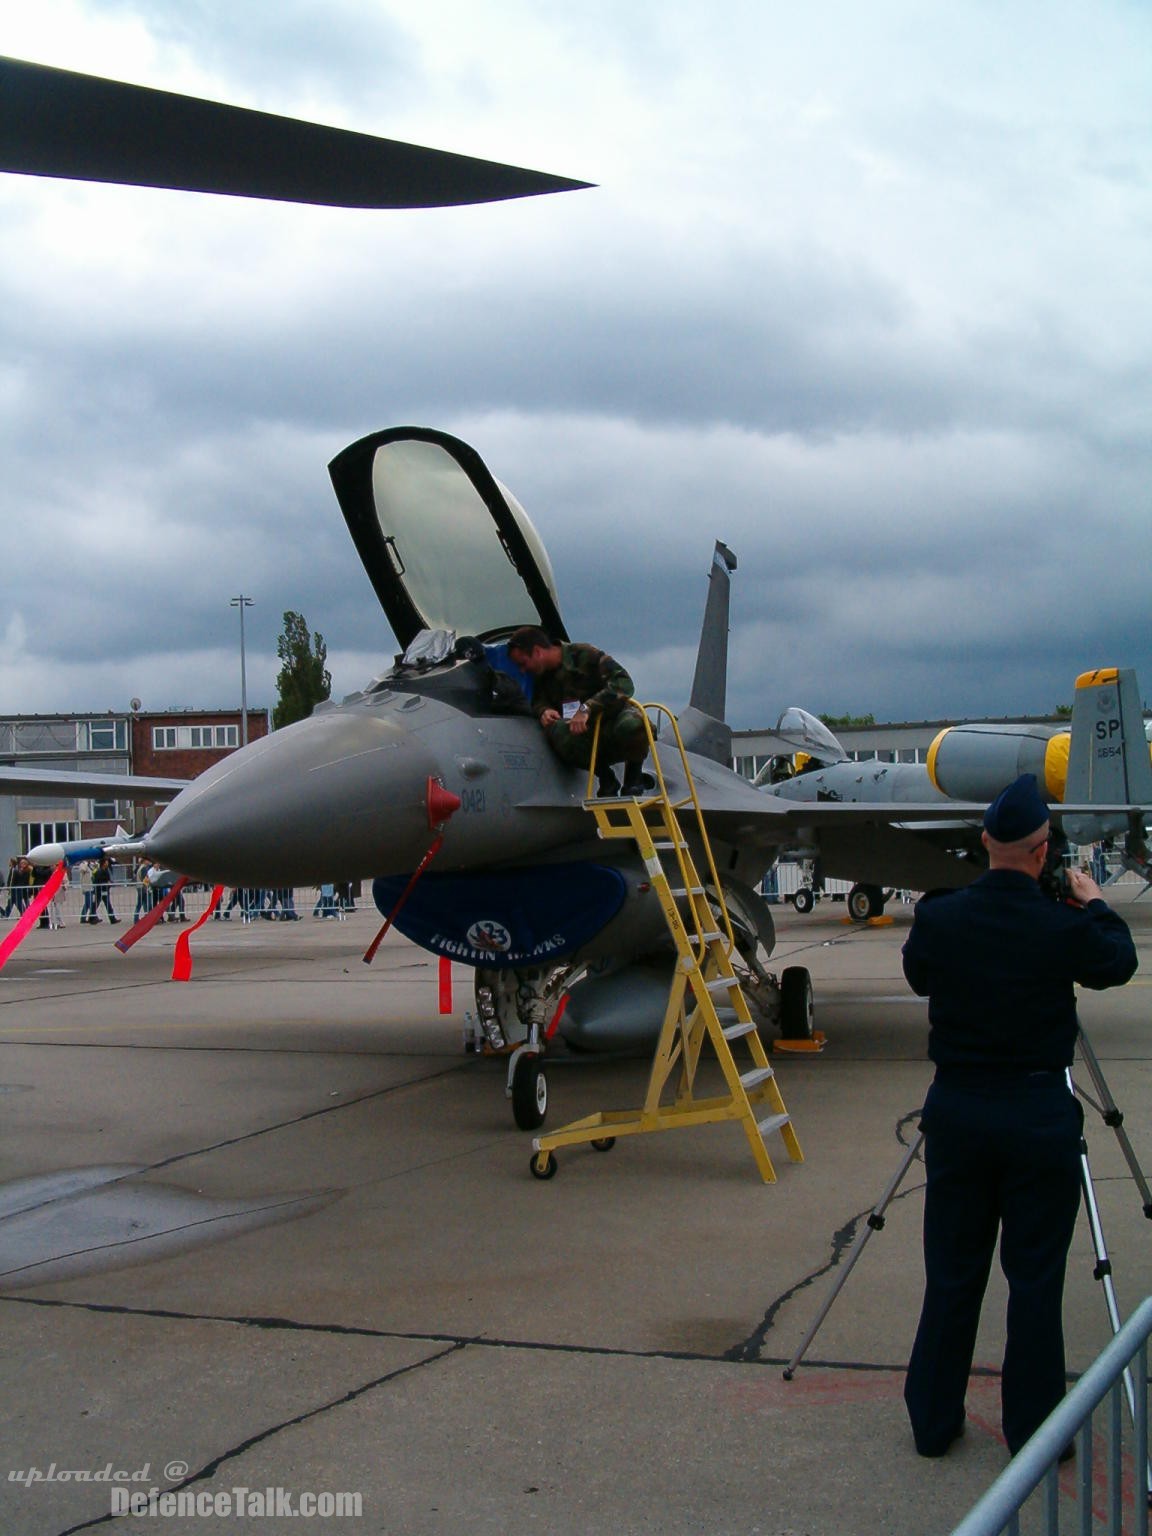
{"points": [[440, 764]]}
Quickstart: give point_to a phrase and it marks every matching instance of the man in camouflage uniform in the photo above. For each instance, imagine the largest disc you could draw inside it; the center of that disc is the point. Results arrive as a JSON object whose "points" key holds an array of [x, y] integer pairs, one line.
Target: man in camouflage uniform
{"points": [[576, 674]]}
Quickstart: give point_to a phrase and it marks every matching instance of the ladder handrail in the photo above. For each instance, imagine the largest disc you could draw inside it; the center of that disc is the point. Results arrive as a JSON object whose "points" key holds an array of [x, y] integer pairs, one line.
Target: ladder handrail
{"points": [[672, 808]]}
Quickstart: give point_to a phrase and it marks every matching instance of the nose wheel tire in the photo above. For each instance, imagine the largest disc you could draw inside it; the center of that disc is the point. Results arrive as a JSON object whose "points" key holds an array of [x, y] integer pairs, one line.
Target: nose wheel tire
{"points": [[796, 1008], [529, 1094]]}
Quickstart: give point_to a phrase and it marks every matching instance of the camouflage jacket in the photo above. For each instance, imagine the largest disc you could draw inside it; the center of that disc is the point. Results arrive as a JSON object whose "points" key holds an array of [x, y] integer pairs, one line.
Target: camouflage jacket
{"points": [[587, 674]]}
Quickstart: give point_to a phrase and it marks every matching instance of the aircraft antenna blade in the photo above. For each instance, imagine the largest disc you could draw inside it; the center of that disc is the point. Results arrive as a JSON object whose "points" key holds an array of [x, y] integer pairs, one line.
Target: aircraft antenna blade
{"points": [[54, 122]]}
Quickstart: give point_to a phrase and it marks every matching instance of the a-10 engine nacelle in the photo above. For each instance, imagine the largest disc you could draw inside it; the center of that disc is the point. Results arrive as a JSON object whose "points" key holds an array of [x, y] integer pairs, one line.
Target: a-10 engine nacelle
{"points": [[975, 762]]}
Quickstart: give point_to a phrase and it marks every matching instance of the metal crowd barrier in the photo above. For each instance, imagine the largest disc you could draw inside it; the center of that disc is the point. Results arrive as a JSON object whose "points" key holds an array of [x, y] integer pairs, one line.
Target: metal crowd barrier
{"points": [[1037, 1464]]}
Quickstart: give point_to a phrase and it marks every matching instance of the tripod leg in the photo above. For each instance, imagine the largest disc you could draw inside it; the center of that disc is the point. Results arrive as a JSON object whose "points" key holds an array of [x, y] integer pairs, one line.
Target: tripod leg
{"points": [[1103, 1273], [874, 1223], [1113, 1117]]}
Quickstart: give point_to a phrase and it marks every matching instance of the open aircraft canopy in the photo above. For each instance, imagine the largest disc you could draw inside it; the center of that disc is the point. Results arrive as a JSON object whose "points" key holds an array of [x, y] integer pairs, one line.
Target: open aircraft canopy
{"points": [[445, 545]]}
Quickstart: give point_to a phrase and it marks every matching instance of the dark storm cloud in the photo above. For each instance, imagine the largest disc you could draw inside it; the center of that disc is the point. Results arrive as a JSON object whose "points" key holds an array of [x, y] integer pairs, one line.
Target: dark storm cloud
{"points": [[294, 49], [879, 337]]}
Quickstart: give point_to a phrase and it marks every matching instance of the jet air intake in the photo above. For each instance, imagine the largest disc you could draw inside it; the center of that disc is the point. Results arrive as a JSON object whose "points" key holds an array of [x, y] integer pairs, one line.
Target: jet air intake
{"points": [[975, 762]]}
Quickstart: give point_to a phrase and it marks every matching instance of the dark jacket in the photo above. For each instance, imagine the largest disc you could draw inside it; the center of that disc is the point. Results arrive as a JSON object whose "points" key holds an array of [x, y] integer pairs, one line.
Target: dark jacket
{"points": [[998, 962], [592, 676]]}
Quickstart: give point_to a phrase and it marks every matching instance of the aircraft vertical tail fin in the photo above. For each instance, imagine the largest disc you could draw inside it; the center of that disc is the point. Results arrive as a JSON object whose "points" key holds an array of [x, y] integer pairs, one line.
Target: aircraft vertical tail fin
{"points": [[702, 724], [1108, 761], [1108, 755]]}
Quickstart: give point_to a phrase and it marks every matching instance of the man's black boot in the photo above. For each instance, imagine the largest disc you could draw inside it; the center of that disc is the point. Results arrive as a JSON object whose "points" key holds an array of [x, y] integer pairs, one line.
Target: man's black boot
{"points": [[607, 784], [634, 781]]}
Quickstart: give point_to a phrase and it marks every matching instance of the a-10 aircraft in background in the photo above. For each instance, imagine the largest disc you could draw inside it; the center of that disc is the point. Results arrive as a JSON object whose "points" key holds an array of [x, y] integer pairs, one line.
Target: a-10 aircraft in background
{"points": [[1100, 758], [442, 750]]}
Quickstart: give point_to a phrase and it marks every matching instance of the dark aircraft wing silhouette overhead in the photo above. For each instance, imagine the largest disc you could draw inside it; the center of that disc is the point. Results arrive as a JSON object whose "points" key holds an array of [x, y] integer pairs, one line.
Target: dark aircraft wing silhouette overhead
{"points": [[54, 122]]}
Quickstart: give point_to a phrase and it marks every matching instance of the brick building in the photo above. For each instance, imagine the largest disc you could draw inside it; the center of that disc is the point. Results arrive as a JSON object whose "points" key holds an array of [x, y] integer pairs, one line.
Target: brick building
{"points": [[180, 744], [173, 744]]}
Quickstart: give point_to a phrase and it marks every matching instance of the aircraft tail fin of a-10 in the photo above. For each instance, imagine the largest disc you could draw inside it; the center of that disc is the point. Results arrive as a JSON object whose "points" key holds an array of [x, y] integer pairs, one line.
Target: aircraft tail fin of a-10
{"points": [[702, 725], [1108, 756]]}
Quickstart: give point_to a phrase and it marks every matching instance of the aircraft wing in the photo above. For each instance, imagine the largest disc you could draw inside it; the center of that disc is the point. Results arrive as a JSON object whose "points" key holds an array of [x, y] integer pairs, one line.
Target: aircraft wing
{"points": [[54, 122], [119, 786]]}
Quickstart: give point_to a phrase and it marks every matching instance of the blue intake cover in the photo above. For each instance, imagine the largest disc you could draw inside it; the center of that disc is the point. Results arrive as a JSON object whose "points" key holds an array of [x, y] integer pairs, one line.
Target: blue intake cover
{"points": [[519, 918]]}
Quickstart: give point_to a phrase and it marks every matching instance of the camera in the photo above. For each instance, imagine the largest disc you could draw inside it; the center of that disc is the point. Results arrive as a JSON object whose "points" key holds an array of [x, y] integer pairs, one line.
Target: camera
{"points": [[1053, 878]]}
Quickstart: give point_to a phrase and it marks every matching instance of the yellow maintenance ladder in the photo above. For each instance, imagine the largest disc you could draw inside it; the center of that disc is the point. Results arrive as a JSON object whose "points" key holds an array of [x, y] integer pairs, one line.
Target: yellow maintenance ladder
{"points": [[702, 932]]}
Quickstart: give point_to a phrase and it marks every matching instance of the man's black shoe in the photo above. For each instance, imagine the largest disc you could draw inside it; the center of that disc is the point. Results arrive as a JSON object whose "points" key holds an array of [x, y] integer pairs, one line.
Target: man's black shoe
{"points": [[934, 1449], [607, 785]]}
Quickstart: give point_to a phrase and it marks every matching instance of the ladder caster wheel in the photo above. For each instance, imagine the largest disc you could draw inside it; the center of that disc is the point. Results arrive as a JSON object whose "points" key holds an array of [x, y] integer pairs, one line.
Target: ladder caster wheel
{"points": [[604, 1144], [548, 1171]]}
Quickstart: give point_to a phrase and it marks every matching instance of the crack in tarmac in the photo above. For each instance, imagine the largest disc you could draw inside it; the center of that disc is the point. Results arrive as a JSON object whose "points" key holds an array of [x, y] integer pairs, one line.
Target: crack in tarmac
{"points": [[749, 1351], [210, 1468]]}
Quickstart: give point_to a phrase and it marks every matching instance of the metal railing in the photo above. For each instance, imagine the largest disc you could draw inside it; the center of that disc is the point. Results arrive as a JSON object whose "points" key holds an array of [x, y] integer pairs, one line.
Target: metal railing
{"points": [[1037, 1464]]}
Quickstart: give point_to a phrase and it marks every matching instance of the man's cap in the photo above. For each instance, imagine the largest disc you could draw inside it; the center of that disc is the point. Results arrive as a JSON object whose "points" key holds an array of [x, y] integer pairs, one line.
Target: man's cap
{"points": [[1017, 811]]}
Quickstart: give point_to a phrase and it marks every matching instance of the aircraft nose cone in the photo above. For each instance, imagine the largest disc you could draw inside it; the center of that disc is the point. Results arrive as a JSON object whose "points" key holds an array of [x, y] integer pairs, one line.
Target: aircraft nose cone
{"points": [[340, 796]]}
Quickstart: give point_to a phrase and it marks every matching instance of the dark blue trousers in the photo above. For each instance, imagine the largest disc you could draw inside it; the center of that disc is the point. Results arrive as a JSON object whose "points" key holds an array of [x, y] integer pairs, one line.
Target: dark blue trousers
{"points": [[1002, 1155]]}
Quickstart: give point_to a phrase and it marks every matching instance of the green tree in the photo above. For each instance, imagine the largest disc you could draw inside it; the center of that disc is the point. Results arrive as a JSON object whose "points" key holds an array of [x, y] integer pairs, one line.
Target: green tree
{"points": [[304, 680], [835, 722]]}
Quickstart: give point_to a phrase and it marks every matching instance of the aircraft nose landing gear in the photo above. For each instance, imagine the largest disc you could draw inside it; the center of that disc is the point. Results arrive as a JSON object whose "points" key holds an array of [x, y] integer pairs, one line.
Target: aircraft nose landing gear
{"points": [[528, 1086]]}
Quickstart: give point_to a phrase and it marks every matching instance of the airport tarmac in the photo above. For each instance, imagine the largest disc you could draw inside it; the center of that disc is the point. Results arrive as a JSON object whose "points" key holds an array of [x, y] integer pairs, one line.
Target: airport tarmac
{"points": [[273, 1230]]}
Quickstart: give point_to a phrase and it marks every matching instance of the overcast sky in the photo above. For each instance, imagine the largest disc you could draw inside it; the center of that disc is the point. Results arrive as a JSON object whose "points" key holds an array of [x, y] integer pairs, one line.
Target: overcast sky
{"points": [[863, 289]]}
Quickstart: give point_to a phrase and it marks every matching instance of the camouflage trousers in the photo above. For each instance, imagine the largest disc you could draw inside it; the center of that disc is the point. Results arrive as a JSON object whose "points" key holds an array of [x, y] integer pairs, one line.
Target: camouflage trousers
{"points": [[623, 739]]}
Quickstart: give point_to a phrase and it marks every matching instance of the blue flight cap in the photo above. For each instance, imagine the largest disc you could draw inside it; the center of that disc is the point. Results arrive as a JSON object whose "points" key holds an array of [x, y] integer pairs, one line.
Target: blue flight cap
{"points": [[1016, 811]]}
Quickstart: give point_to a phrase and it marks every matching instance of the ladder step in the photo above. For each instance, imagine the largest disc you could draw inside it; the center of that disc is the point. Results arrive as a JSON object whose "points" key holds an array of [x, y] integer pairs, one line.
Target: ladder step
{"points": [[736, 1031], [663, 847], [757, 1076], [711, 936], [686, 890], [722, 984], [772, 1123]]}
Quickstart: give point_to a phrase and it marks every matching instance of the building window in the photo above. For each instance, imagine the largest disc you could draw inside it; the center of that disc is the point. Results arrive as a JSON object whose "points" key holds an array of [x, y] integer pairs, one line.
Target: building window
{"points": [[102, 735], [105, 810], [36, 832], [168, 738]]}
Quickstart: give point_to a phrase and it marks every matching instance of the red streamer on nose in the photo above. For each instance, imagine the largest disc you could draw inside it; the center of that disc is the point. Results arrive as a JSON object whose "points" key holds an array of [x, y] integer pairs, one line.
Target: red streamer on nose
{"points": [[370, 953], [32, 913], [150, 919]]}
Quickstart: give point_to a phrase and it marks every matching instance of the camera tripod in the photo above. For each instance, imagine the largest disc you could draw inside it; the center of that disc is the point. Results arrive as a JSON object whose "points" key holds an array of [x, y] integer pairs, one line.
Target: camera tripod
{"points": [[1105, 1106]]}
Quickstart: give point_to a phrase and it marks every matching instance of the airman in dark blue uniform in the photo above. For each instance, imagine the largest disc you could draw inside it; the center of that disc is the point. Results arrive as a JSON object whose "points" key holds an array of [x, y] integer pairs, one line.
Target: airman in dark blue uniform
{"points": [[998, 962]]}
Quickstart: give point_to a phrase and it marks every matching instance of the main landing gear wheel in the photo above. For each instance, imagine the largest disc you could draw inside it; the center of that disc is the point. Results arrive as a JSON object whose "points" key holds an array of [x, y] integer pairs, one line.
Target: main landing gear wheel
{"points": [[804, 900], [548, 1171], [865, 901], [796, 1007], [529, 1094]]}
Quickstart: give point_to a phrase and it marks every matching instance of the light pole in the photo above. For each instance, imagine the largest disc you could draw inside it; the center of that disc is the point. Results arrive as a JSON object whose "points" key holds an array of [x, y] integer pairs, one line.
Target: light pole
{"points": [[242, 602]]}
